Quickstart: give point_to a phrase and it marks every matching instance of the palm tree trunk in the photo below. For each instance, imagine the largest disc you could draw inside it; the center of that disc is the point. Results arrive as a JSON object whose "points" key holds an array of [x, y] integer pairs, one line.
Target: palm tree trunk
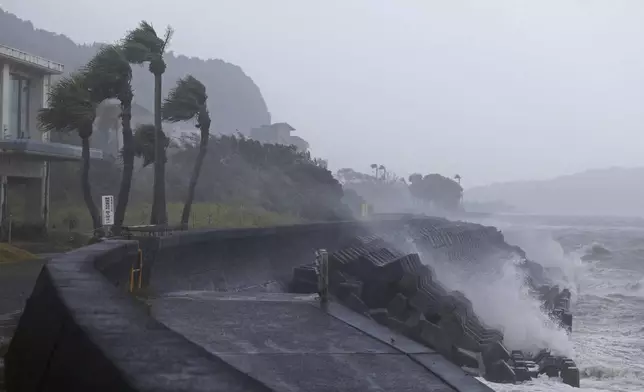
{"points": [[159, 210], [85, 185], [203, 149], [128, 164]]}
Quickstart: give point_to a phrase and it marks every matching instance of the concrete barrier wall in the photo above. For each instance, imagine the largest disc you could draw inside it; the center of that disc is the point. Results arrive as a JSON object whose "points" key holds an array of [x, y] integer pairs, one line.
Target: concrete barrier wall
{"points": [[242, 258], [81, 333], [236, 259]]}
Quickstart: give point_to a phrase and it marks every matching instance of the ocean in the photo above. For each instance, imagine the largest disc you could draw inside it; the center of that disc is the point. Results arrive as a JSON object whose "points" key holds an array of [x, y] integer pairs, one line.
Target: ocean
{"points": [[602, 261]]}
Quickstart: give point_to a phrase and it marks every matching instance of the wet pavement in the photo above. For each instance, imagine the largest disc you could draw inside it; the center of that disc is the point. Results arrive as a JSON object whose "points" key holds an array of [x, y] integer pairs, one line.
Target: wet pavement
{"points": [[287, 342], [17, 280]]}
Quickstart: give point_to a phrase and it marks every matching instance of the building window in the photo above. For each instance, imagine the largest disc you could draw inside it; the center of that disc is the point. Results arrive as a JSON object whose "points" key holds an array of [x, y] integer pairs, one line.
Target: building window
{"points": [[19, 107]]}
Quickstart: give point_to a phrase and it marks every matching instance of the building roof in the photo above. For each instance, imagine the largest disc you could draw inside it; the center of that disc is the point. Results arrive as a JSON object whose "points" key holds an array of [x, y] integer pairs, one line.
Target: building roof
{"points": [[283, 124], [30, 60]]}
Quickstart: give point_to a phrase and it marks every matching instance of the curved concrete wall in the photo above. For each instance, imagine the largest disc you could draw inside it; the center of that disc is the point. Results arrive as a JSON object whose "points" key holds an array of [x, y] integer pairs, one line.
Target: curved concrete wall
{"points": [[81, 332]]}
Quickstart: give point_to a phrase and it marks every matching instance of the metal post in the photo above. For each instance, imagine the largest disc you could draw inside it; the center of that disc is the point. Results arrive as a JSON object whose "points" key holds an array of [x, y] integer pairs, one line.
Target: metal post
{"points": [[10, 227], [140, 268], [323, 275]]}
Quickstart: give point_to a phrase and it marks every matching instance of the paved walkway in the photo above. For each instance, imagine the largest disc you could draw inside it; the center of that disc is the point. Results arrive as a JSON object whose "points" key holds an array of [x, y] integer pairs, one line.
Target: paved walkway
{"points": [[287, 342], [17, 279]]}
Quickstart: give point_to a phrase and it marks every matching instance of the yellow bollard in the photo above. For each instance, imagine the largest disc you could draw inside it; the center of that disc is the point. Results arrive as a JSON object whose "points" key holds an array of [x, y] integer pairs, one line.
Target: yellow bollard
{"points": [[139, 271]]}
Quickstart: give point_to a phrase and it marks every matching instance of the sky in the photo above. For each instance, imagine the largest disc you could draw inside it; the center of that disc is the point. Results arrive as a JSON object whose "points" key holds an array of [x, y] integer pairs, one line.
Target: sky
{"points": [[494, 90]]}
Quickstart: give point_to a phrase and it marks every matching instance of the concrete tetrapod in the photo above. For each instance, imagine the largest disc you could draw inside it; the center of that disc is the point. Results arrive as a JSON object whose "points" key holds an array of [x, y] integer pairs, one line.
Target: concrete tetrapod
{"points": [[399, 291]]}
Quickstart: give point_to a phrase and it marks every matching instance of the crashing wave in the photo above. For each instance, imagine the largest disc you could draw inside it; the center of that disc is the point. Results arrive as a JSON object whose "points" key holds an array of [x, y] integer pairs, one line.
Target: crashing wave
{"points": [[596, 251], [460, 289]]}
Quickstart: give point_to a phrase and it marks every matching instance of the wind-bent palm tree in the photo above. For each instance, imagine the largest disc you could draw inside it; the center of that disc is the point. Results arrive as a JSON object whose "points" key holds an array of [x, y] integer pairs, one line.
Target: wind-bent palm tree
{"points": [[71, 109], [143, 45], [187, 101], [109, 75]]}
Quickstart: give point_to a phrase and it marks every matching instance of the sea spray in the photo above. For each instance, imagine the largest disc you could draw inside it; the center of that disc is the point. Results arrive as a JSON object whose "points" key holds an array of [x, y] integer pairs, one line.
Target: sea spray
{"points": [[501, 298]]}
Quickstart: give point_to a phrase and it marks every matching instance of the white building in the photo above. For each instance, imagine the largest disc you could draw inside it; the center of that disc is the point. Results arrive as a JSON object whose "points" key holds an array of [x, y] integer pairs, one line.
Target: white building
{"points": [[25, 151], [279, 133]]}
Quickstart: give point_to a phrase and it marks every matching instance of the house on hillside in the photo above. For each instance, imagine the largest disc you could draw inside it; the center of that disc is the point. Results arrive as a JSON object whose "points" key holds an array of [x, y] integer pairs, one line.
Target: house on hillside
{"points": [[25, 151], [279, 133]]}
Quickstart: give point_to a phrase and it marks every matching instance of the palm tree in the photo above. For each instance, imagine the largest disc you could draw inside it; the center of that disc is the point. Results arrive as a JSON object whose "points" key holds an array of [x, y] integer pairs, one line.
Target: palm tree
{"points": [[187, 101], [109, 75], [383, 170], [71, 109], [375, 167], [143, 45], [458, 178]]}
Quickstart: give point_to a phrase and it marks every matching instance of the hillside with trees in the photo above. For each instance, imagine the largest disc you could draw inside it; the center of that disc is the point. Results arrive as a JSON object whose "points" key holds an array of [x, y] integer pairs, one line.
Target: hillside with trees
{"points": [[236, 102]]}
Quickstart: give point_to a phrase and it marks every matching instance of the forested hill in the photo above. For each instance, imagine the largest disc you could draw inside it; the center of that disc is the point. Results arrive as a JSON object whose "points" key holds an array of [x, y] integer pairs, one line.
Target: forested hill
{"points": [[235, 100]]}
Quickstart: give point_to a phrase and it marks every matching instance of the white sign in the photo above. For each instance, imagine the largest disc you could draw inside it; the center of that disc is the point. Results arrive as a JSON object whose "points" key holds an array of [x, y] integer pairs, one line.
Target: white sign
{"points": [[108, 210]]}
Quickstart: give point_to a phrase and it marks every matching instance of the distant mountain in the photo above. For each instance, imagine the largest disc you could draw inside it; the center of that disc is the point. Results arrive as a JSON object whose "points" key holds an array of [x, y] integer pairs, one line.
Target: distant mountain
{"points": [[613, 191], [235, 101]]}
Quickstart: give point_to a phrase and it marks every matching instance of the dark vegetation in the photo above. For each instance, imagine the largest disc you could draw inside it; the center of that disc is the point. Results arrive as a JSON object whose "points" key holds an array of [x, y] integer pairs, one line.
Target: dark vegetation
{"points": [[272, 176], [432, 193], [238, 173], [438, 190]]}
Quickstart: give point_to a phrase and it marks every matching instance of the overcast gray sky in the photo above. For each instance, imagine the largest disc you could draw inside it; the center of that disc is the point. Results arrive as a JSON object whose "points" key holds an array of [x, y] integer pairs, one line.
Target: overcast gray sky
{"points": [[494, 90]]}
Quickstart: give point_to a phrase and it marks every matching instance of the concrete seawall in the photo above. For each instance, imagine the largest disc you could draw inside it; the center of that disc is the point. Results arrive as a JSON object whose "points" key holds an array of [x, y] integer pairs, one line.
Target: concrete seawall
{"points": [[82, 331], [233, 260]]}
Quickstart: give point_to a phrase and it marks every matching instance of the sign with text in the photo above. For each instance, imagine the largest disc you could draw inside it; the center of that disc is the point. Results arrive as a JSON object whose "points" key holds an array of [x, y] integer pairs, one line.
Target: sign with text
{"points": [[108, 210]]}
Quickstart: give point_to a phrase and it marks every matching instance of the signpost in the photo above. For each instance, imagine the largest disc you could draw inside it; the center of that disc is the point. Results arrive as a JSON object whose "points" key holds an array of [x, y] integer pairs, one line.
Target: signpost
{"points": [[107, 211]]}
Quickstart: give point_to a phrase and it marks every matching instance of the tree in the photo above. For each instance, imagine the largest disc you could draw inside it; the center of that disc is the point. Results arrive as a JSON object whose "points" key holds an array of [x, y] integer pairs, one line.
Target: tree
{"points": [[109, 75], [143, 45], [71, 109], [415, 178], [188, 101], [458, 178], [442, 192], [144, 143]]}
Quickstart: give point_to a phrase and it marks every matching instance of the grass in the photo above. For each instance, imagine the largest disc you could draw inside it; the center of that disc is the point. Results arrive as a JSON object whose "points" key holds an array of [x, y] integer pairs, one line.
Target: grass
{"points": [[10, 253], [71, 226], [204, 215]]}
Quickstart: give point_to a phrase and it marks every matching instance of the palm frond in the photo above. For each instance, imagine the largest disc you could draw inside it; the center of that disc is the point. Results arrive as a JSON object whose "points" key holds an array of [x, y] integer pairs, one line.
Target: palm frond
{"points": [[108, 73], [142, 44], [70, 106], [185, 101], [169, 32]]}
